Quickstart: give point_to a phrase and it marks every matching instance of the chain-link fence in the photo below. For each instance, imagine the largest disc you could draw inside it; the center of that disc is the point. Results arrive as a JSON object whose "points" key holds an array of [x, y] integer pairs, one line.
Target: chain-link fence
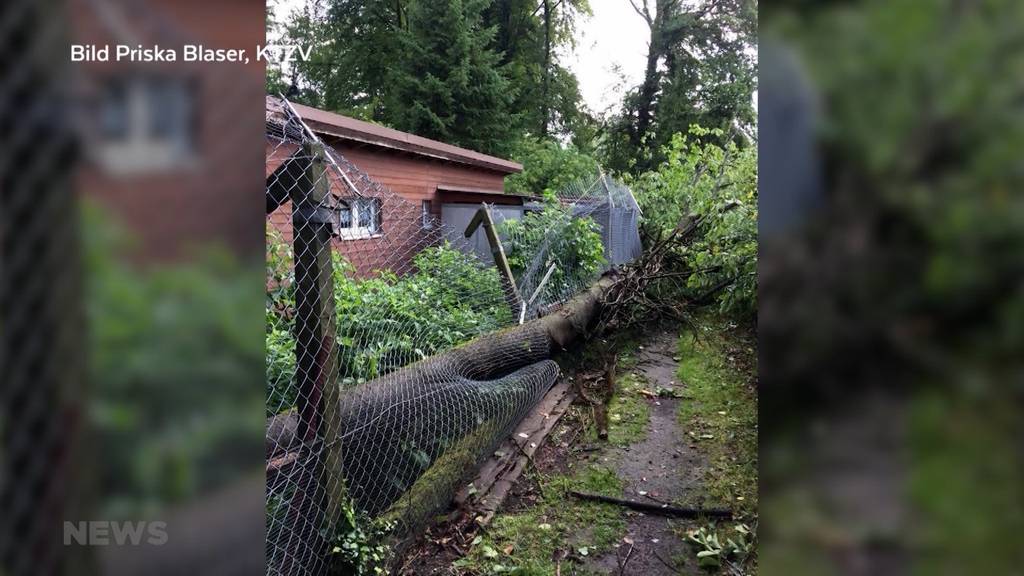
{"points": [[391, 367], [129, 421]]}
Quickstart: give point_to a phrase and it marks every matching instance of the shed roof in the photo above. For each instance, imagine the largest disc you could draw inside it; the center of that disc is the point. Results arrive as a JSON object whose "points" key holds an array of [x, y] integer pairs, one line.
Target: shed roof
{"points": [[333, 124]]}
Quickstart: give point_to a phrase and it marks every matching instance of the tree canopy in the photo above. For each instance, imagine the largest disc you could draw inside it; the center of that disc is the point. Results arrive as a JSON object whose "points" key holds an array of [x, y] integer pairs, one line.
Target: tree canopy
{"points": [[491, 75]]}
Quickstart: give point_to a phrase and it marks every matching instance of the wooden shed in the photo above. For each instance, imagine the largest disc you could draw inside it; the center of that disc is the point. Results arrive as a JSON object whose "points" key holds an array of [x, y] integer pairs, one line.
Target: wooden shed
{"points": [[423, 174]]}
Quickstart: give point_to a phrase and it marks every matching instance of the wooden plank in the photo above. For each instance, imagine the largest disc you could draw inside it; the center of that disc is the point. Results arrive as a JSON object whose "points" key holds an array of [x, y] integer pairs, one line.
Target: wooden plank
{"points": [[499, 473], [483, 218]]}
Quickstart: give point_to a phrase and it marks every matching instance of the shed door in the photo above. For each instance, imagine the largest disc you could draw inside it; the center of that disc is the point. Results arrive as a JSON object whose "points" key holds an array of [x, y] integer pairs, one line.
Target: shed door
{"points": [[456, 217]]}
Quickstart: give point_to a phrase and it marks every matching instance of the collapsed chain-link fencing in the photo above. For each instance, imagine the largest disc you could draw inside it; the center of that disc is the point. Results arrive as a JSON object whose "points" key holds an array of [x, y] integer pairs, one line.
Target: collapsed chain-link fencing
{"points": [[392, 367]]}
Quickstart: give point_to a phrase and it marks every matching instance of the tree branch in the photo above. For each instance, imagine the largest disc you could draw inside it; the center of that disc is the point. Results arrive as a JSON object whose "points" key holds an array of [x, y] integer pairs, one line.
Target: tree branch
{"points": [[645, 13]]}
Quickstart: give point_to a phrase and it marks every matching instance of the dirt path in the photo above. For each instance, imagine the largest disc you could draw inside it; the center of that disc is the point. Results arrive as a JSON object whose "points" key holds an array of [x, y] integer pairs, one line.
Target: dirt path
{"points": [[689, 442], [662, 468]]}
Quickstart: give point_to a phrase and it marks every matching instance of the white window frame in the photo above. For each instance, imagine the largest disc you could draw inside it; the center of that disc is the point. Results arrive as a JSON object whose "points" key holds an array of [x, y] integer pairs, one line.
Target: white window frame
{"points": [[139, 151], [427, 215], [358, 230]]}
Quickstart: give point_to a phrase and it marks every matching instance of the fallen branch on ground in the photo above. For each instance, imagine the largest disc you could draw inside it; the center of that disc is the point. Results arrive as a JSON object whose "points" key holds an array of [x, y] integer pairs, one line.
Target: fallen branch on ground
{"points": [[663, 510]]}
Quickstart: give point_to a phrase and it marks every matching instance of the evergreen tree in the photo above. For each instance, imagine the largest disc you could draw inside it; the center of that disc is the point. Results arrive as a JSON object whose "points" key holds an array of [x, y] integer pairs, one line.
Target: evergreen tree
{"points": [[355, 45], [449, 85], [529, 34]]}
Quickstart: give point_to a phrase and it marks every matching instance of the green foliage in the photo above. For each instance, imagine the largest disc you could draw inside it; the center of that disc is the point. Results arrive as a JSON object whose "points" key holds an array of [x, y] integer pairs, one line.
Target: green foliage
{"points": [[168, 344], [920, 224], [477, 73], [713, 552], [552, 234], [359, 547], [719, 186], [450, 299], [448, 85], [529, 38], [354, 46], [526, 542], [549, 167], [701, 69]]}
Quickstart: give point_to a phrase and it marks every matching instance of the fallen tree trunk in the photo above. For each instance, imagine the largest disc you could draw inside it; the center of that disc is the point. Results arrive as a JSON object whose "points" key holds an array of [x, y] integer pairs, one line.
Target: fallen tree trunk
{"points": [[396, 430], [484, 358]]}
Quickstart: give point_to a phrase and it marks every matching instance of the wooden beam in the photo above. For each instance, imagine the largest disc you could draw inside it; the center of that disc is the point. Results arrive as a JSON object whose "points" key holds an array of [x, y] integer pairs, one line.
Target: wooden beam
{"points": [[483, 218], [318, 407], [499, 473], [285, 180]]}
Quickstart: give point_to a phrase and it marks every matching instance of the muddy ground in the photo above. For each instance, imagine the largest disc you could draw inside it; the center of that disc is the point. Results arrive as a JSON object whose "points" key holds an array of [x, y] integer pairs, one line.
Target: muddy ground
{"points": [[663, 468]]}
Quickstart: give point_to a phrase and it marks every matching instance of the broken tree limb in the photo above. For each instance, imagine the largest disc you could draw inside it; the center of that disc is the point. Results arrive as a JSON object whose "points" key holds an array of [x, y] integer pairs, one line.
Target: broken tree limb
{"points": [[663, 509]]}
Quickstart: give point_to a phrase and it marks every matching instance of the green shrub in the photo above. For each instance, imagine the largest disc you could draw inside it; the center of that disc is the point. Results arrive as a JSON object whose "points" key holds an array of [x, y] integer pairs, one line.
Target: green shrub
{"points": [[548, 167], [385, 322], [719, 186], [553, 235], [449, 300], [170, 353]]}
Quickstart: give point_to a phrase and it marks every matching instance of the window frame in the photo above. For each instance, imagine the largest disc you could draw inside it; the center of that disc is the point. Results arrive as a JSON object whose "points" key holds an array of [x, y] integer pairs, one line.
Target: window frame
{"points": [[357, 230], [140, 148], [427, 217]]}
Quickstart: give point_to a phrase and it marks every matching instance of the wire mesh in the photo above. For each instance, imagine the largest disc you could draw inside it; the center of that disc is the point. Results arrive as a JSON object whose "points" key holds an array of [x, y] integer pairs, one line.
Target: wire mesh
{"points": [[389, 372]]}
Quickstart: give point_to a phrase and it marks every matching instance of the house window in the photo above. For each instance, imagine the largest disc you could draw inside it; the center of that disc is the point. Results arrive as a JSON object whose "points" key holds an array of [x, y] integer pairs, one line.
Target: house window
{"points": [[359, 218], [146, 123], [428, 218]]}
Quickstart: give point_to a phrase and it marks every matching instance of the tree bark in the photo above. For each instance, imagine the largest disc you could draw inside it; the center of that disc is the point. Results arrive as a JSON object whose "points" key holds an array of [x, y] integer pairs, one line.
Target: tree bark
{"points": [[485, 358], [652, 78]]}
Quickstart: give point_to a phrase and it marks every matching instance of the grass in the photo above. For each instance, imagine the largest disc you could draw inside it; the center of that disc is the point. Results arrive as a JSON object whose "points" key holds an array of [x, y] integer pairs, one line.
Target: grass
{"points": [[718, 366], [628, 413], [528, 542], [719, 409]]}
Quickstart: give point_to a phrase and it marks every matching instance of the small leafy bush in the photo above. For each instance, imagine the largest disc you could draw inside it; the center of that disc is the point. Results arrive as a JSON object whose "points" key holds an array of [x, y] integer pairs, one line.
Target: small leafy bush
{"points": [[712, 552], [359, 545], [388, 321], [449, 300], [553, 235]]}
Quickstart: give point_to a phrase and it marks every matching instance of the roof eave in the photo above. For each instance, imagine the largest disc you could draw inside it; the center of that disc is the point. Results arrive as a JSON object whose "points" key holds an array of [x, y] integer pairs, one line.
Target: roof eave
{"points": [[356, 136]]}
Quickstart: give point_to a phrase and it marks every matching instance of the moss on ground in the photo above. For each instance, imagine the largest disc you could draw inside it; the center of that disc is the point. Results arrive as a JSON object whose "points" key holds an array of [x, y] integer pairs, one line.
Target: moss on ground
{"points": [[628, 412], [719, 409], [529, 542]]}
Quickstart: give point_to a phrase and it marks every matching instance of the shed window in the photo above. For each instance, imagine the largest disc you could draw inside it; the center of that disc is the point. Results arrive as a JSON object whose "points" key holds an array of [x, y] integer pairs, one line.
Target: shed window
{"points": [[359, 218], [428, 218], [146, 123]]}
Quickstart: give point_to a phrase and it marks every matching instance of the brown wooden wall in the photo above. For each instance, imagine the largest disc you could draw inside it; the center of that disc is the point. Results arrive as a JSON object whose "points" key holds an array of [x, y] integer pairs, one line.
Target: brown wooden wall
{"points": [[216, 197], [408, 180]]}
